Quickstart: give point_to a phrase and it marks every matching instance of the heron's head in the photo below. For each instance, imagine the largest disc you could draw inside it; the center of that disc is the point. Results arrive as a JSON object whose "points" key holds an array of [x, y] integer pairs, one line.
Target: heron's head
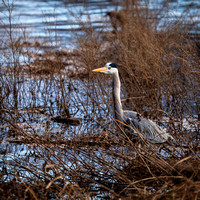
{"points": [[109, 68]]}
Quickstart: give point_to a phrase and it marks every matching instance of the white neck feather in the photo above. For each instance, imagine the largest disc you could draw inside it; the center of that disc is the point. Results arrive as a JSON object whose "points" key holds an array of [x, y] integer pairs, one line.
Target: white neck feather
{"points": [[118, 111]]}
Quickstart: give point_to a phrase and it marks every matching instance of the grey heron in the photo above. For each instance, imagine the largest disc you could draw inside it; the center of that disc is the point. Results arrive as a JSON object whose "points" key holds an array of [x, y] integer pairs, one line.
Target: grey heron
{"points": [[140, 125]]}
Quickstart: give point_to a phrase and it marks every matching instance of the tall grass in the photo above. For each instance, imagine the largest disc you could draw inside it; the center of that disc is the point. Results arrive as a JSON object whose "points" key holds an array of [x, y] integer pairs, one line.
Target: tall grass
{"points": [[159, 70]]}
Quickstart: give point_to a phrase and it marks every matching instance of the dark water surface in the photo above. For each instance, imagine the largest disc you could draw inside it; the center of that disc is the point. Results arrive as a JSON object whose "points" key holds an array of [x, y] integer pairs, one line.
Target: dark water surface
{"points": [[56, 19]]}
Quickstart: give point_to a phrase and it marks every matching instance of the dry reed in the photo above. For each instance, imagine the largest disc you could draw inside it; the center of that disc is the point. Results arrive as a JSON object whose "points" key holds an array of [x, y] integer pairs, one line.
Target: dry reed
{"points": [[160, 79]]}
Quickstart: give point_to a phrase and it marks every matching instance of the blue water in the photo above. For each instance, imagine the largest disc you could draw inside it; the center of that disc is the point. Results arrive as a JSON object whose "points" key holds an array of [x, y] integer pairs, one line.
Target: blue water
{"points": [[59, 20], [55, 19]]}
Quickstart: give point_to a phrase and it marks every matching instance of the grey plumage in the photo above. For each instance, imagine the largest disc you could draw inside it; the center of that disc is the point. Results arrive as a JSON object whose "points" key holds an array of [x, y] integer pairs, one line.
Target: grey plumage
{"points": [[149, 129], [140, 126]]}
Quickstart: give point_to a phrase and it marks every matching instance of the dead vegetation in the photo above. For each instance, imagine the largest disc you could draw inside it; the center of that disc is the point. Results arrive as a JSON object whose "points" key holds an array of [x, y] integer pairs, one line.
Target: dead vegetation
{"points": [[41, 159]]}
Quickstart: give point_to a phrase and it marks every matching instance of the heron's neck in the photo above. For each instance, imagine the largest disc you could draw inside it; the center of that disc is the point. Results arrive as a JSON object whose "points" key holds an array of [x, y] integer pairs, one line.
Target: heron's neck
{"points": [[118, 111]]}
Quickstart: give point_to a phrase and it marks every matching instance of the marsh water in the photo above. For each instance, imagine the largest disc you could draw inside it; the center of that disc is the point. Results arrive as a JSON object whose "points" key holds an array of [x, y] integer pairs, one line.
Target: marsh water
{"points": [[58, 20], [54, 25]]}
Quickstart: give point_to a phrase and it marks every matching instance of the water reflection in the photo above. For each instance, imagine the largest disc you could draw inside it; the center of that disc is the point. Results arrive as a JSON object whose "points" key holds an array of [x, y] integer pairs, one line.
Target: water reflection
{"points": [[44, 19], [57, 19]]}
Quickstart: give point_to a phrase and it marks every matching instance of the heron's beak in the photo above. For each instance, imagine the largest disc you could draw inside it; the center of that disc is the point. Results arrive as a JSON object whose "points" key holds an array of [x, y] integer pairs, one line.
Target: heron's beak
{"points": [[103, 69]]}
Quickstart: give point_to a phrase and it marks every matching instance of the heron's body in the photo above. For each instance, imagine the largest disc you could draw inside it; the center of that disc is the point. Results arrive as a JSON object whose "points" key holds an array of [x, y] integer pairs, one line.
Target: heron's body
{"points": [[133, 120]]}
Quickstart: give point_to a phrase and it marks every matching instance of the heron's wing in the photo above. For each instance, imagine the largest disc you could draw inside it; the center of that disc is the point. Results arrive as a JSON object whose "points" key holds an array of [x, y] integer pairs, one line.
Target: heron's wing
{"points": [[150, 130]]}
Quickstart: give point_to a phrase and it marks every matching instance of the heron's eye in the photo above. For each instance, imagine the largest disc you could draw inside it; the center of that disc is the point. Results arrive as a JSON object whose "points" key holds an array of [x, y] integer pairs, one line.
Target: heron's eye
{"points": [[109, 67]]}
